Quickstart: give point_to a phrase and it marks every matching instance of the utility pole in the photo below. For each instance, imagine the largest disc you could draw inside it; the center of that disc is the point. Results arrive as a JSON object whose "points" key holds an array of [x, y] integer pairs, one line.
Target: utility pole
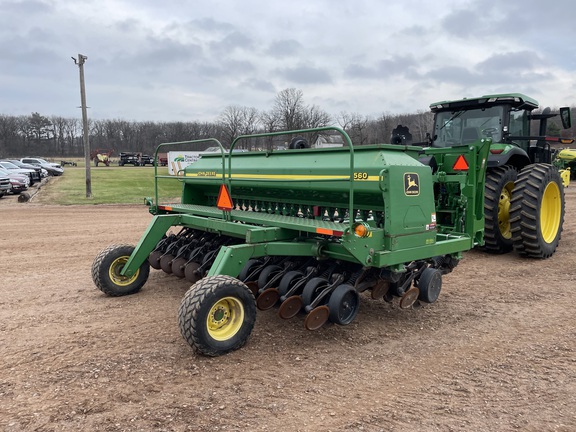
{"points": [[80, 63]]}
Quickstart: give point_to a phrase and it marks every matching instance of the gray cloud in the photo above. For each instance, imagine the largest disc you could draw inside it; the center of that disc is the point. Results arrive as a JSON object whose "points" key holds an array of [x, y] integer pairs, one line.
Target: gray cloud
{"points": [[284, 48], [26, 7], [302, 75], [511, 62], [397, 65], [168, 60]]}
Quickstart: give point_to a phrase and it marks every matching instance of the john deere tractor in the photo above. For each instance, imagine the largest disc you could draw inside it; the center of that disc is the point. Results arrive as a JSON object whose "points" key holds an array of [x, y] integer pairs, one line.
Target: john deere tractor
{"points": [[524, 195]]}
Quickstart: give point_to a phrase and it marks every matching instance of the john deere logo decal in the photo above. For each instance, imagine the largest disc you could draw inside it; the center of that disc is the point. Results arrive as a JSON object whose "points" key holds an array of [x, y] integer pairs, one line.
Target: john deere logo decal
{"points": [[411, 184]]}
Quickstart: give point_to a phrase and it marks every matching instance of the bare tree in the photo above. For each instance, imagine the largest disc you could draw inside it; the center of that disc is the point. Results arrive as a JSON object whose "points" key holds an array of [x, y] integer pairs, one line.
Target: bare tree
{"points": [[238, 120], [289, 109], [356, 126]]}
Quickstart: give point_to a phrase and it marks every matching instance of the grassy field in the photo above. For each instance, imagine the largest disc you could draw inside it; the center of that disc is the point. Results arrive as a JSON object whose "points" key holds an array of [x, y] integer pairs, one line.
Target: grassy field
{"points": [[110, 185]]}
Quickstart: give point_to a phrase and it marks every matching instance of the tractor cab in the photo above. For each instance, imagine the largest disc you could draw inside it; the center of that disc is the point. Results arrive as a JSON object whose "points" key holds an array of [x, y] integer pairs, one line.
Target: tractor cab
{"points": [[505, 118]]}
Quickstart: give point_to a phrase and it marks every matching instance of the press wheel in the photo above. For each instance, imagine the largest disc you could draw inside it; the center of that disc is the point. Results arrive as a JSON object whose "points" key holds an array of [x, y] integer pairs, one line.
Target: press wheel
{"points": [[343, 304]]}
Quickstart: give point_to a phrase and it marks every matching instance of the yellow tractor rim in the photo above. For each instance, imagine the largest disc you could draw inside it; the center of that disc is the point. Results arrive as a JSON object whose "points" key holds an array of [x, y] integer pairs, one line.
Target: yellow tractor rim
{"points": [[115, 269], [225, 318], [504, 210], [550, 212]]}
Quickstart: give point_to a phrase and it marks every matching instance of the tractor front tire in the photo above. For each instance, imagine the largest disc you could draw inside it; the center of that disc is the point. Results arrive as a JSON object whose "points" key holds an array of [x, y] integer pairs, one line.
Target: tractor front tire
{"points": [[497, 198], [106, 270], [217, 315], [537, 211]]}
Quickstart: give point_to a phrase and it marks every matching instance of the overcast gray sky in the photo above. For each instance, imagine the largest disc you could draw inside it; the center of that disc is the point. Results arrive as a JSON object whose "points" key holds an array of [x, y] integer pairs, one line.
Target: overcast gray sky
{"points": [[189, 59]]}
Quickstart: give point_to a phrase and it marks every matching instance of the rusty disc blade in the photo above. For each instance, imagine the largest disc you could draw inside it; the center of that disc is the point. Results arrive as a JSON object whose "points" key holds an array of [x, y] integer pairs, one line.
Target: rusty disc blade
{"points": [[154, 259], [290, 307], [317, 317], [166, 263], [267, 298], [409, 297], [380, 289], [190, 272], [178, 266], [253, 286]]}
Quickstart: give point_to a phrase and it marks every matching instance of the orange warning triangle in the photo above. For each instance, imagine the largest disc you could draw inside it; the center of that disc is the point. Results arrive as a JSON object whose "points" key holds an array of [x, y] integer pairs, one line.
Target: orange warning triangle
{"points": [[224, 199], [460, 164]]}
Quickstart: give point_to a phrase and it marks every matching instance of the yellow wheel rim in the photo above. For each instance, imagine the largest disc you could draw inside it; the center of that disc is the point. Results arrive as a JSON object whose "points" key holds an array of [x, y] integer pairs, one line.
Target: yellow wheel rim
{"points": [[115, 269], [550, 212], [504, 210], [225, 318]]}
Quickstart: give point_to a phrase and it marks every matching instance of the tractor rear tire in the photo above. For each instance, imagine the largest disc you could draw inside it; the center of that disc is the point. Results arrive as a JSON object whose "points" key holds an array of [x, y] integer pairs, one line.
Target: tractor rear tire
{"points": [[497, 198], [106, 270], [537, 211], [217, 315]]}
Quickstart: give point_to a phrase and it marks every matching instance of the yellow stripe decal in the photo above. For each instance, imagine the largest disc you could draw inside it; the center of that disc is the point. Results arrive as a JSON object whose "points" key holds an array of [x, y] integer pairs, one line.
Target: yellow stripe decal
{"points": [[281, 177]]}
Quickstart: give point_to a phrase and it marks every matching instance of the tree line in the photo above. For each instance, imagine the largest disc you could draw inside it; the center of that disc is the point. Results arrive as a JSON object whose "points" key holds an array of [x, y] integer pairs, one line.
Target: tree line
{"points": [[57, 136]]}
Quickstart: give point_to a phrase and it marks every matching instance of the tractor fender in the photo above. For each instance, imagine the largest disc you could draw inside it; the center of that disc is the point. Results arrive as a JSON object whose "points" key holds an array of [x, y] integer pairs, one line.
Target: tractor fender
{"points": [[515, 157]]}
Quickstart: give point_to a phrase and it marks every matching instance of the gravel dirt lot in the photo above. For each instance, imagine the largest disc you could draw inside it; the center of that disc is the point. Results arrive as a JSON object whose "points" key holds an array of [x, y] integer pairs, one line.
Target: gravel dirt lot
{"points": [[497, 352]]}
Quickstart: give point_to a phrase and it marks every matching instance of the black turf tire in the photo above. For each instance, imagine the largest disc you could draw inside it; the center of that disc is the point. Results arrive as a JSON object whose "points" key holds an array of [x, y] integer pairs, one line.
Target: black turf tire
{"points": [[199, 304], [497, 198], [537, 211], [106, 267]]}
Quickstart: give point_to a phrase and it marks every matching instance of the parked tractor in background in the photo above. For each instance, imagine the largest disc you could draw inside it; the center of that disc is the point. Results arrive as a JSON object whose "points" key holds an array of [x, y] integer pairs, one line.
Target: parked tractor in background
{"points": [[524, 195], [565, 159], [101, 156]]}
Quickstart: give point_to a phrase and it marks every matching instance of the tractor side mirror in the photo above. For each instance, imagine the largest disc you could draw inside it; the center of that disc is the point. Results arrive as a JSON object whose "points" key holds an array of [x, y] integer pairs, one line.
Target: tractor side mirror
{"points": [[566, 117]]}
